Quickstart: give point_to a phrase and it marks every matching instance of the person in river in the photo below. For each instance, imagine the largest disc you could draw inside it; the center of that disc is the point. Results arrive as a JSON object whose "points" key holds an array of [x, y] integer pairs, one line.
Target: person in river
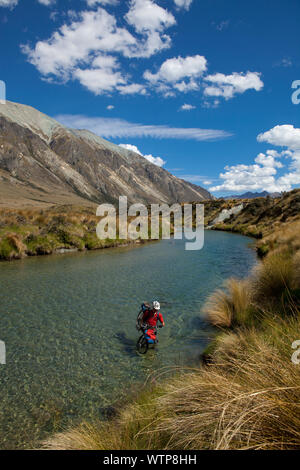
{"points": [[150, 318]]}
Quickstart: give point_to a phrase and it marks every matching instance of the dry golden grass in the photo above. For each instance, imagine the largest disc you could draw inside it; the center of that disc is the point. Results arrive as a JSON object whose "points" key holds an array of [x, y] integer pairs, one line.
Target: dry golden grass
{"points": [[230, 307], [273, 277]]}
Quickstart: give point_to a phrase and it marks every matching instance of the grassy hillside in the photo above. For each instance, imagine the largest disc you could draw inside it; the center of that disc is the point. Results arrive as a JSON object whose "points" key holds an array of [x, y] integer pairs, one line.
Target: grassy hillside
{"points": [[259, 217], [246, 393]]}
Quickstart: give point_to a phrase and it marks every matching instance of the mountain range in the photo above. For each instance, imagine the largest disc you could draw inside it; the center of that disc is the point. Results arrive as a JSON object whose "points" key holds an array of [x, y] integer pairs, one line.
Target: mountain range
{"points": [[43, 162], [251, 195]]}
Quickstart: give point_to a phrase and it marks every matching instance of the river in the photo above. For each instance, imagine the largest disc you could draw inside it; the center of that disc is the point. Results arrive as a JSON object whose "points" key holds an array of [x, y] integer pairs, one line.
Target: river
{"points": [[68, 322]]}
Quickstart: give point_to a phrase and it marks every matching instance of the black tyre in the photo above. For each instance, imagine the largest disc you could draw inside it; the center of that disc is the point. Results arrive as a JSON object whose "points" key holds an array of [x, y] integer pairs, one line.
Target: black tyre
{"points": [[142, 345]]}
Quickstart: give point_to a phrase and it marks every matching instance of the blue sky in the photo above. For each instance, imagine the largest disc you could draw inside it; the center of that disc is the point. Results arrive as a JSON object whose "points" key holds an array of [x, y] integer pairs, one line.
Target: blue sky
{"points": [[202, 87]]}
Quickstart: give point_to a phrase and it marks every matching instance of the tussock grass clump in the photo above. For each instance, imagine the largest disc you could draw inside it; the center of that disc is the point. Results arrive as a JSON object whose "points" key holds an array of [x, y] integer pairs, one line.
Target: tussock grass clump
{"points": [[128, 431], [11, 247], [231, 307], [273, 277]]}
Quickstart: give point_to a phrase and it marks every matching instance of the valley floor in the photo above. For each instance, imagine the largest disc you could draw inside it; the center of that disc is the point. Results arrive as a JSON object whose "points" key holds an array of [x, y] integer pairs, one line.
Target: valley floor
{"points": [[245, 394]]}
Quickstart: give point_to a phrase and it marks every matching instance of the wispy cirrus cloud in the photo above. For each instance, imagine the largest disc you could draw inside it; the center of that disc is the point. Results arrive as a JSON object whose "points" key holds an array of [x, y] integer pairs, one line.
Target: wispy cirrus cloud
{"points": [[116, 128]]}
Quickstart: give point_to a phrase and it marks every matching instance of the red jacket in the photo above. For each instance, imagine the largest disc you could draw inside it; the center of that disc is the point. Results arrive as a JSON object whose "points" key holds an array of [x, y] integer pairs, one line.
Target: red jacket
{"points": [[151, 318]]}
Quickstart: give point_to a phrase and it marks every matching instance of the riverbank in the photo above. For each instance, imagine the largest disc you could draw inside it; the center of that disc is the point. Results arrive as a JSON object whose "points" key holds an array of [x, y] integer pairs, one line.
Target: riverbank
{"points": [[257, 218], [247, 395], [64, 229], [59, 229]]}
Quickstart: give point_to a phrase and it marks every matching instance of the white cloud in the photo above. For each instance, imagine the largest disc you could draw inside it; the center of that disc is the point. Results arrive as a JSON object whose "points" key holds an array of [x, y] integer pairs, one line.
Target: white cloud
{"points": [[155, 160], [282, 136], [150, 20], [69, 53], [174, 70], [268, 159], [227, 86], [263, 174], [147, 16], [247, 178], [183, 4], [178, 73], [110, 107], [114, 128], [8, 3], [47, 3], [187, 107], [133, 88], [88, 46], [73, 44], [104, 77]]}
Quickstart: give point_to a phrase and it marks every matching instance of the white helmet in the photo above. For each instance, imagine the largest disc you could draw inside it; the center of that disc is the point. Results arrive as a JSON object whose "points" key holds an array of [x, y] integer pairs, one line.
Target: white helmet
{"points": [[156, 305]]}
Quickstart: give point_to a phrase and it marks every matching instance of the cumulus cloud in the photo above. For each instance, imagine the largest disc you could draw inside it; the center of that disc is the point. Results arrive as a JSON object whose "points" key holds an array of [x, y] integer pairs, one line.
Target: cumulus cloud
{"points": [[114, 128], [187, 107], [69, 53], [150, 20], [180, 73], [183, 4], [227, 86], [73, 44], [145, 15], [8, 3], [155, 160], [110, 107], [102, 77], [89, 47], [263, 174], [282, 136]]}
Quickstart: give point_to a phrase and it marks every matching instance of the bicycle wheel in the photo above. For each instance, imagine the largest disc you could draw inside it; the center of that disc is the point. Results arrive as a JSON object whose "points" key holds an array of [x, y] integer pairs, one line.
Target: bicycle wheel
{"points": [[142, 345]]}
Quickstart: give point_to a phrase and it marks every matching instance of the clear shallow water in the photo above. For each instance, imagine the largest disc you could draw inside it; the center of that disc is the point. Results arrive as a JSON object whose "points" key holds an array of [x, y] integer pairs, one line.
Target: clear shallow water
{"points": [[68, 322]]}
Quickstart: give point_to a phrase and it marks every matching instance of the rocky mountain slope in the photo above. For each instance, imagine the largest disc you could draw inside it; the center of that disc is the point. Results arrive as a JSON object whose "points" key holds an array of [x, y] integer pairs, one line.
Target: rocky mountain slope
{"points": [[43, 162]]}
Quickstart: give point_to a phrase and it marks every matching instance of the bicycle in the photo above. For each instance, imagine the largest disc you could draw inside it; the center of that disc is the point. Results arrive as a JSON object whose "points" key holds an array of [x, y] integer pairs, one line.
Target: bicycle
{"points": [[143, 343]]}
